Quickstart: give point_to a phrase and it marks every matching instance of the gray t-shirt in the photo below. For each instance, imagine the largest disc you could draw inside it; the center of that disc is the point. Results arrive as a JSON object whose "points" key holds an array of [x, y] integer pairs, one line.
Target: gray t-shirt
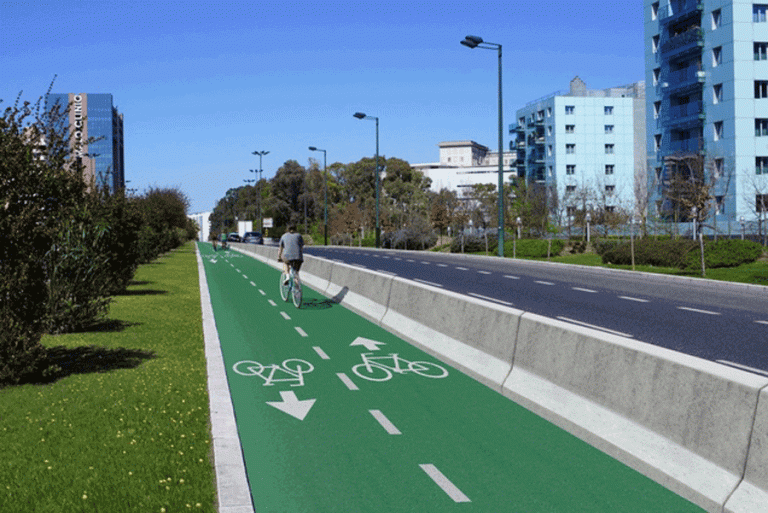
{"points": [[293, 245]]}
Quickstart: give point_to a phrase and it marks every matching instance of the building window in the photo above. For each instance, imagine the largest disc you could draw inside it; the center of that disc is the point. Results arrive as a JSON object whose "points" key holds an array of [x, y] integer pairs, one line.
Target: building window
{"points": [[761, 127], [657, 142], [570, 169], [569, 129], [716, 17], [655, 43], [608, 110], [549, 130], [758, 13], [656, 76], [718, 167], [718, 130], [609, 149], [610, 188], [549, 150], [656, 110], [761, 165], [717, 93], [608, 129], [549, 112], [570, 148], [655, 10], [761, 51], [717, 56], [609, 169], [569, 109], [570, 188], [761, 88], [761, 203], [540, 115], [521, 121], [720, 204]]}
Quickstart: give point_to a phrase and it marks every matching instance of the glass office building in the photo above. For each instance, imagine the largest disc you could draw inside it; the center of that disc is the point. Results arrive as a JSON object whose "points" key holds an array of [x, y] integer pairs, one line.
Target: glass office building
{"points": [[93, 116]]}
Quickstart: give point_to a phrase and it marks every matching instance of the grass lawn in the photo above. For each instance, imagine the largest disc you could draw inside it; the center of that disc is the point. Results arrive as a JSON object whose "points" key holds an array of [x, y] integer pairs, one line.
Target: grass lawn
{"points": [[127, 426]]}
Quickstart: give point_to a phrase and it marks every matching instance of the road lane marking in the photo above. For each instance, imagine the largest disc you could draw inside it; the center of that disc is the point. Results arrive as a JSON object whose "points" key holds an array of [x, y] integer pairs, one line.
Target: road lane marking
{"points": [[348, 382], [744, 367], [321, 353], [697, 310], [253, 284], [262, 292], [285, 316], [271, 302], [410, 260], [480, 296], [461, 269], [425, 282], [440, 480], [634, 299], [484, 272], [544, 282], [442, 265], [246, 277], [510, 277], [238, 270], [301, 332], [566, 319], [762, 322], [385, 422], [584, 290]]}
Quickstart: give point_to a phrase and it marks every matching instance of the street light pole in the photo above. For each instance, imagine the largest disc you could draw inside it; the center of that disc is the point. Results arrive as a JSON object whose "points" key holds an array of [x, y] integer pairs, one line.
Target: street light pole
{"points": [[260, 154], [360, 115], [477, 42], [325, 208]]}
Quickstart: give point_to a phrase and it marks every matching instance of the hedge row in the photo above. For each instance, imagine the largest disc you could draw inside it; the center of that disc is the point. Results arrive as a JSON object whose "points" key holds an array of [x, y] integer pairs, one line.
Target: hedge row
{"points": [[681, 254]]}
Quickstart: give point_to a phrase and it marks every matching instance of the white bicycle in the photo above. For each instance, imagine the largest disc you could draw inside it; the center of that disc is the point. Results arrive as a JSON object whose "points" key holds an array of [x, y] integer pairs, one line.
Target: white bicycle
{"points": [[293, 367], [373, 369], [290, 287]]}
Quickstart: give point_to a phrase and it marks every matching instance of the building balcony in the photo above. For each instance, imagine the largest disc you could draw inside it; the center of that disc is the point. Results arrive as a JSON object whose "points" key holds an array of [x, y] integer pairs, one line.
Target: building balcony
{"points": [[689, 41], [689, 77], [687, 114], [691, 145], [679, 10]]}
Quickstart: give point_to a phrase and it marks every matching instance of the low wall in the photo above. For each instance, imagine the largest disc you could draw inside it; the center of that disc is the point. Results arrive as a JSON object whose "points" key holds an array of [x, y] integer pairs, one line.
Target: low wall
{"points": [[697, 427]]}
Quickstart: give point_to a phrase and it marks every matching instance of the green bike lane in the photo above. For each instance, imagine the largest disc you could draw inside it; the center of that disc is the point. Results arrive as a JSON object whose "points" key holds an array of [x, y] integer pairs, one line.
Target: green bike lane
{"points": [[317, 436]]}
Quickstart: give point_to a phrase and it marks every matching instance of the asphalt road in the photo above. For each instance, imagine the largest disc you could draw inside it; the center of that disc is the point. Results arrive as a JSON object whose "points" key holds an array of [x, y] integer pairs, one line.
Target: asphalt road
{"points": [[727, 323]]}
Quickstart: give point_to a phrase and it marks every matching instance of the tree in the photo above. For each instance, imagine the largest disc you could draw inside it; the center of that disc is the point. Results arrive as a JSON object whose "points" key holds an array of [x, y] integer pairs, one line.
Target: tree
{"points": [[442, 209]]}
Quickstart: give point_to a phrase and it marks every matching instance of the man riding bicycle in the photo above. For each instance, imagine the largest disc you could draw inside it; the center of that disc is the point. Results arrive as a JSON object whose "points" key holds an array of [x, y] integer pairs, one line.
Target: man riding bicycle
{"points": [[291, 250]]}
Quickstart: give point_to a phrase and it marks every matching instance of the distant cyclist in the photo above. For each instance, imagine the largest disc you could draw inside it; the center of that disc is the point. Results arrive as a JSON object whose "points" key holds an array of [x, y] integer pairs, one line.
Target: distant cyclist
{"points": [[291, 250]]}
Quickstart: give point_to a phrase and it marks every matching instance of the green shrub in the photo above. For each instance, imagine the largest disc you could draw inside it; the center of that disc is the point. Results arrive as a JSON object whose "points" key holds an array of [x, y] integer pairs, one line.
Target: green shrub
{"points": [[602, 246], [409, 238], [474, 243], [659, 253], [725, 253], [533, 248]]}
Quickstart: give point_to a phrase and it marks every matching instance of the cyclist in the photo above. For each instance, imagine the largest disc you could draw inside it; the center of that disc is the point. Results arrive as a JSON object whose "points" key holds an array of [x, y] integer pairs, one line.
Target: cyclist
{"points": [[291, 250]]}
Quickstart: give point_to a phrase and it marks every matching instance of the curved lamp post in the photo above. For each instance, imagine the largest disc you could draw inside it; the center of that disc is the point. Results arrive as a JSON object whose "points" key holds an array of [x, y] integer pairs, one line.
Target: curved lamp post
{"points": [[260, 154], [477, 42], [325, 209], [360, 115]]}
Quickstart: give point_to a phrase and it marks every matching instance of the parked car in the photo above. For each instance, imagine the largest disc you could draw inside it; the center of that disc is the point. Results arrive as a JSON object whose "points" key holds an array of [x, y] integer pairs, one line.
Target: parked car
{"points": [[253, 238], [233, 237]]}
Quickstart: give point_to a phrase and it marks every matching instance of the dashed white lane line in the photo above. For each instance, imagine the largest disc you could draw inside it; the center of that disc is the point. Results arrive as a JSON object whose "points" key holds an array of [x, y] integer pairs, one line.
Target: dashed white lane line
{"points": [[285, 316], [348, 382], [440, 480], [762, 322], [410, 260], [425, 262], [271, 302], [744, 367], [238, 270], [637, 299], [442, 265], [483, 272], [253, 284], [425, 282], [510, 277], [584, 290], [246, 277], [262, 292], [619, 333], [696, 310], [321, 353], [385, 422], [461, 268], [543, 282], [301, 332], [480, 296]]}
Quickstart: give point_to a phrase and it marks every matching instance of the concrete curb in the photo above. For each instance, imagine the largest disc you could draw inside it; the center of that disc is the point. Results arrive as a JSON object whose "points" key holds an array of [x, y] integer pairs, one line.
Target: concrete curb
{"points": [[234, 493], [697, 427]]}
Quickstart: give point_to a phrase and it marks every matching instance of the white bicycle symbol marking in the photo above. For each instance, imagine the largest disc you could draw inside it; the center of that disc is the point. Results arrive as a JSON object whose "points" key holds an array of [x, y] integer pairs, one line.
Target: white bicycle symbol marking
{"points": [[293, 367], [373, 370]]}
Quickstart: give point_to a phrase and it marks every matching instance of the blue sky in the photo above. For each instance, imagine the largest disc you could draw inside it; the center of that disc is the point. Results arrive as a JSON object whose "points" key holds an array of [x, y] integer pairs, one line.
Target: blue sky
{"points": [[204, 84]]}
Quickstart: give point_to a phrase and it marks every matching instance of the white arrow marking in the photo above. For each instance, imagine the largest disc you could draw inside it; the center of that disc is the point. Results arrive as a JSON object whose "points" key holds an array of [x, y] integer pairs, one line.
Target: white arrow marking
{"points": [[292, 406], [370, 345]]}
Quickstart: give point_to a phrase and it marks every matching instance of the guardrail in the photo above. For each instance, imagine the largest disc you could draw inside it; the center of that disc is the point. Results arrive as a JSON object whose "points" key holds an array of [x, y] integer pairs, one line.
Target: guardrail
{"points": [[696, 427]]}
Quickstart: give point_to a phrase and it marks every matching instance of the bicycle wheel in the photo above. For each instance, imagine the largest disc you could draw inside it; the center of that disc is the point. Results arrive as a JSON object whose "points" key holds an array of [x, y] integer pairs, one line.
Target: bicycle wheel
{"points": [[285, 286], [375, 374], [248, 368], [296, 365], [428, 369], [296, 293]]}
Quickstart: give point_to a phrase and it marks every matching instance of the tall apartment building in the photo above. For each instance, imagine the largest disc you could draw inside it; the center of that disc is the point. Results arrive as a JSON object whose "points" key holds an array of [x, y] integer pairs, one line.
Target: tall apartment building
{"points": [[94, 116], [707, 62], [583, 144]]}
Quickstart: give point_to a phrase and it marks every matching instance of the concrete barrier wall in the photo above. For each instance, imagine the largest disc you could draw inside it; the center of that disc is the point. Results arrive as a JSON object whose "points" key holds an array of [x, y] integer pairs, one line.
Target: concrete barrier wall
{"points": [[696, 427]]}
